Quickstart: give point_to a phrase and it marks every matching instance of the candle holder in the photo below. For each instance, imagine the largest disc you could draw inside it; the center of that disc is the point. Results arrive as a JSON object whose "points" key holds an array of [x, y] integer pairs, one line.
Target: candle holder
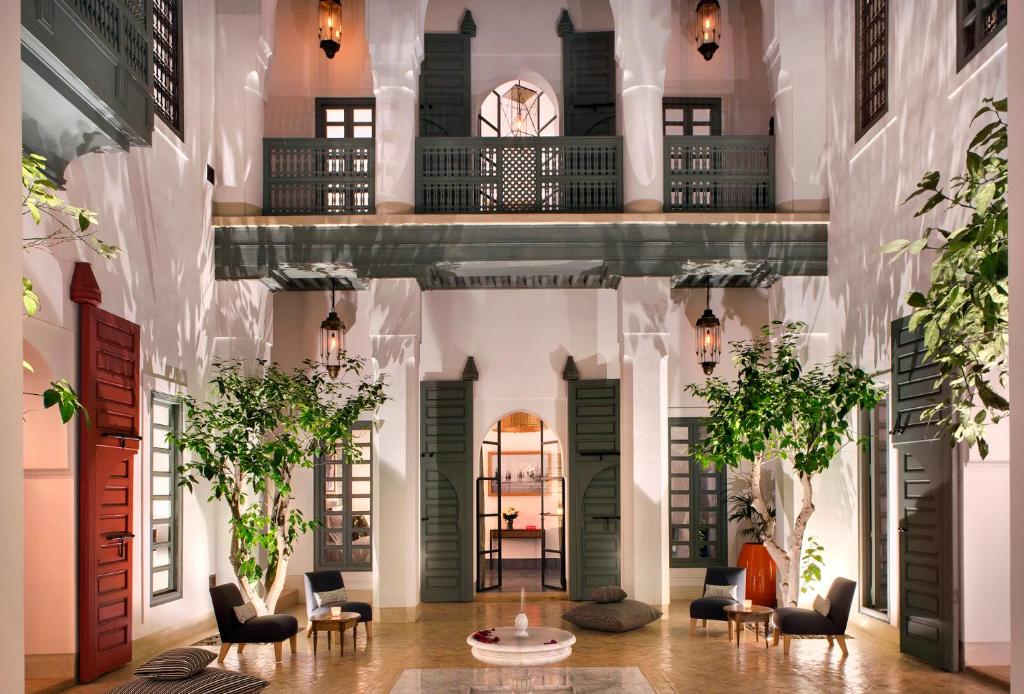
{"points": [[747, 604], [336, 611]]}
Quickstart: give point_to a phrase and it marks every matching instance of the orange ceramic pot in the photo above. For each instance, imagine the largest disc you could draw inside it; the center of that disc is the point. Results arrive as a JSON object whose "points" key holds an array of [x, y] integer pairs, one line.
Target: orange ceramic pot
{"points": [[760, 568]]}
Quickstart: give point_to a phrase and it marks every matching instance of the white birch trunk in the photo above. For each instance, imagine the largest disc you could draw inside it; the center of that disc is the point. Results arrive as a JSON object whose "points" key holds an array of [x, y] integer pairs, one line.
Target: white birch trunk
{"points": [[787, 562]]}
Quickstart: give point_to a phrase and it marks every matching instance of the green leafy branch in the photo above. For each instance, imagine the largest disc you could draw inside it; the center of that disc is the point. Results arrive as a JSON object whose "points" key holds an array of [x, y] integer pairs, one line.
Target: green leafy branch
{"points": [[810, 564], [964, 314]]}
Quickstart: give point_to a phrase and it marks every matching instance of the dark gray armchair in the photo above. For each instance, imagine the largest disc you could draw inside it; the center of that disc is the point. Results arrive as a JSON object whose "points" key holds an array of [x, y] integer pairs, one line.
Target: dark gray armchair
{"points": [[705, 608], [274, 628], [320, 581], [797, 621]]}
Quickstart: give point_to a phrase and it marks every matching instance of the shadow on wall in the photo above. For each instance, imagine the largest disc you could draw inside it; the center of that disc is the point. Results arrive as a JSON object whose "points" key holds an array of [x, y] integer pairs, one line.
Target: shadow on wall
{"points": [[927, 128]]}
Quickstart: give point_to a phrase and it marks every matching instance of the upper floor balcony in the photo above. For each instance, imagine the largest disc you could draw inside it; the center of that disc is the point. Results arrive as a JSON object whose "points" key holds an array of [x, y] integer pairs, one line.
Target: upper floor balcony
{"points": [[93, 71], [498, 175]]}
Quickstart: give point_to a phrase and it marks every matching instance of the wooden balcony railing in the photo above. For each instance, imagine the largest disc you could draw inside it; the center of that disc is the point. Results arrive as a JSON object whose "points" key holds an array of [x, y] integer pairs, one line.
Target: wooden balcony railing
{"points": [[528, 174], [318, 176], [719, 173]]}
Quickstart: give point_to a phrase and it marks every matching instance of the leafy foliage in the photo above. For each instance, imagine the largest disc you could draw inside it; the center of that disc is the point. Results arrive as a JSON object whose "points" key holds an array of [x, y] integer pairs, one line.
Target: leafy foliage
{"points": [[777, 410], [810, 564], [260, 424], [70, 224], [755, 526], [965, 312], [61, 395], [40, 198]]}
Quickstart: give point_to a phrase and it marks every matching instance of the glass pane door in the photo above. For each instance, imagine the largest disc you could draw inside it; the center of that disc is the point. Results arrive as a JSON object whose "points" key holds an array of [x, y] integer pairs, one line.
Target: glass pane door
{"points": [[488, 516], [552, 515]]}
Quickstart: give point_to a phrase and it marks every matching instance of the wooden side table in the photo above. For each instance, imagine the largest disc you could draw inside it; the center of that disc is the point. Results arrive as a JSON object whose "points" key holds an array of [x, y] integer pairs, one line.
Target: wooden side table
{"points": [[336, 623], [738, 615]]}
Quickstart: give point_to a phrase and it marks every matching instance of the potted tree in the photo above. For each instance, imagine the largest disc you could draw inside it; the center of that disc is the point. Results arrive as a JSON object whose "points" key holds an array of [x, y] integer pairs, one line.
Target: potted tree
{"points": [[246, 440], [776, 411], [754, 557]]}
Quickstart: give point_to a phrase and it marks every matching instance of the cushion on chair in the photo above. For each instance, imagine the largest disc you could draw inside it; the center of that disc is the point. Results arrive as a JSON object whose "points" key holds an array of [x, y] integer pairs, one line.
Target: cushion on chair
{"points": [[245, 612], [330, 597], [213, 681], [267, 629], [709, 608], [822, 605], [614, 616], [606, 594], [176, 664], [725, 592], [801, 622], [727, 576]]}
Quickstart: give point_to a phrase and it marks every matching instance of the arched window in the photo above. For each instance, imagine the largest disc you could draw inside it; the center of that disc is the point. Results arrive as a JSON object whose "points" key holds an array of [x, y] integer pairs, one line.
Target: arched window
{"points": [[518, 109]]}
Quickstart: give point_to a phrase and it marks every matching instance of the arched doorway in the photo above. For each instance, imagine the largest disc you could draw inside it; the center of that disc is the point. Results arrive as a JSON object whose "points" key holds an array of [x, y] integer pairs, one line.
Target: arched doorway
{"points": [[519, 108], [520, 507]]}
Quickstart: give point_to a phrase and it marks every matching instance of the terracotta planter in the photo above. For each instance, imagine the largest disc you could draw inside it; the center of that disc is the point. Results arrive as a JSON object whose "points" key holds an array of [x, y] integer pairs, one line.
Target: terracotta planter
{"points": [[760, 568]]}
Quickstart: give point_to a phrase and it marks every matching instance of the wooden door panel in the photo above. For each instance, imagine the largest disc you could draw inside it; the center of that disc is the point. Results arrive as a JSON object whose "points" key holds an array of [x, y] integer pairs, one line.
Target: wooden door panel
{"points": [[109, 387], [446, 497], [929, 620], [594, 483]]}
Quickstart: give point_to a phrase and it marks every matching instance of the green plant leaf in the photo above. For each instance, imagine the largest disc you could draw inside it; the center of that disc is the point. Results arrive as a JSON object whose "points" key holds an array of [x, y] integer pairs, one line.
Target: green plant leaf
{"points": [[29, 299]]}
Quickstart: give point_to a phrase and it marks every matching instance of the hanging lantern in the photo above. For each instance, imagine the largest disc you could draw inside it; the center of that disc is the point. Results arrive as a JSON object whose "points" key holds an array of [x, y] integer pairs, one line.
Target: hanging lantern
{"points": [[332, 340], [520, 107], [330, 27], [709, 337], [708, 32]]}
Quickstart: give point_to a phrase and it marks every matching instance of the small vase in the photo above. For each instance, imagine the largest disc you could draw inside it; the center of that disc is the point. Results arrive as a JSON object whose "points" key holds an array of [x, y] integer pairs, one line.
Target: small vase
{"points": [[508, 525]]}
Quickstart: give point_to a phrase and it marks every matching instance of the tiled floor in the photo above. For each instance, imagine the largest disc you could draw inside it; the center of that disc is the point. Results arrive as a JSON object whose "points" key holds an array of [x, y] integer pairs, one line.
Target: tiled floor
{"points": [[670, 659]]}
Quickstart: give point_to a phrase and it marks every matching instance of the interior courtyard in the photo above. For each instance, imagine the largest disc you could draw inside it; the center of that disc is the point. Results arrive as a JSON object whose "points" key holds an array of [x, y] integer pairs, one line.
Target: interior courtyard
{"points": [[477, 346]]}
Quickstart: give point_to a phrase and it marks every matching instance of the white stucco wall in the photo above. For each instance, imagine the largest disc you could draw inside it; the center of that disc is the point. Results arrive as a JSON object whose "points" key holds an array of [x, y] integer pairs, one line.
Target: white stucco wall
{"points": [[155, 204], [927, 127], [519, 340]]}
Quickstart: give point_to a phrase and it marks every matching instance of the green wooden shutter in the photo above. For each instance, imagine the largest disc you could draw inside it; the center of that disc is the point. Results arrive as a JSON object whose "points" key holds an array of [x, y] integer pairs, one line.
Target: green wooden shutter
{"points": [[588, 73], [446, 478], [928, 513], [445, 97], [594, 478]]}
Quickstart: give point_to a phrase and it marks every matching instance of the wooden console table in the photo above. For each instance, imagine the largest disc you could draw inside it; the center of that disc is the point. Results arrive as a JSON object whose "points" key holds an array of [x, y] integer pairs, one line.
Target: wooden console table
{"points": [[516, 534]]}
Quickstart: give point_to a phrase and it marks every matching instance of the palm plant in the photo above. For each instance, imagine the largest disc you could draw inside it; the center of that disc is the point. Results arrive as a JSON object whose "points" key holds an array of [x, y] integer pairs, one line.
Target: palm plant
{"points": [[754, 525]]}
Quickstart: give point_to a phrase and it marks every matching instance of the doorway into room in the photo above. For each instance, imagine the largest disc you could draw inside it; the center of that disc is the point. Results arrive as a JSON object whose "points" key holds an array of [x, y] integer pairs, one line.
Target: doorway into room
{"points": [[520, 495]]}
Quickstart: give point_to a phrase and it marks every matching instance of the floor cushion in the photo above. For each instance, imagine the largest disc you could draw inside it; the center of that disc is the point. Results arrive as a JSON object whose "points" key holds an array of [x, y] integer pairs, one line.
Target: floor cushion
{"points": [[613, 616], [208, 681], [606, 594], [176, 664]]}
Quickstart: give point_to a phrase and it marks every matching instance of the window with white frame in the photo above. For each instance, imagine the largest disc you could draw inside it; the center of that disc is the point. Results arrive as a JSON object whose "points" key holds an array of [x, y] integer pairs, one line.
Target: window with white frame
{"points": [[165, 501]]}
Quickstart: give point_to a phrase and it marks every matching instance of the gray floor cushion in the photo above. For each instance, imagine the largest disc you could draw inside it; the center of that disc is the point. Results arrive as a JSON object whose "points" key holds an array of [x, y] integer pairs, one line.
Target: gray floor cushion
{"points": [[613, 616], [209, 681]]}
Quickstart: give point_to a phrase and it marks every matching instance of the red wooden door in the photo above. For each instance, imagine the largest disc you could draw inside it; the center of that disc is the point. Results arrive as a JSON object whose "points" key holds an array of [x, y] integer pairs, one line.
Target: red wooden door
{"points": [[109, 390]]}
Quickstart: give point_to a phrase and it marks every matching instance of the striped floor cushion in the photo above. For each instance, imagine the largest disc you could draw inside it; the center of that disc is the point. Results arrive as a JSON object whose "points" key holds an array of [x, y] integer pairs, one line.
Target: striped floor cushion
{"points": [[205, 682], [176, 664]]}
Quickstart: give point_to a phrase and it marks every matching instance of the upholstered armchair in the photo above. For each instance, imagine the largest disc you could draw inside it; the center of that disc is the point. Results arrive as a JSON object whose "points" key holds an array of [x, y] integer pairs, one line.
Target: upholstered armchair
{"points": [[706, 607], [321, 581], [273, 628], [797, 621]]}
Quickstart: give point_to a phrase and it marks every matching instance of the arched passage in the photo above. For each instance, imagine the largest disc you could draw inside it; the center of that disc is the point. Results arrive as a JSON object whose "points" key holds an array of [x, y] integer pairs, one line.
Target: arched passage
{"points": [[520, 493]]}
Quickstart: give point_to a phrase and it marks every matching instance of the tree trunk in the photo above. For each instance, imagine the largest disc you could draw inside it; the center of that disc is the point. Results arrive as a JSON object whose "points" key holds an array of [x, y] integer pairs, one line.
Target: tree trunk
{"points": [[788, 562]]}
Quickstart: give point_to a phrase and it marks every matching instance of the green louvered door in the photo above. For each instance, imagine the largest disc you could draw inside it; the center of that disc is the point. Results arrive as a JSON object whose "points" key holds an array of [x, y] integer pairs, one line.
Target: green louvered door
{"points": [[594, 482], [446, 478], [588, 69], [928, 522], [445, 100]]}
